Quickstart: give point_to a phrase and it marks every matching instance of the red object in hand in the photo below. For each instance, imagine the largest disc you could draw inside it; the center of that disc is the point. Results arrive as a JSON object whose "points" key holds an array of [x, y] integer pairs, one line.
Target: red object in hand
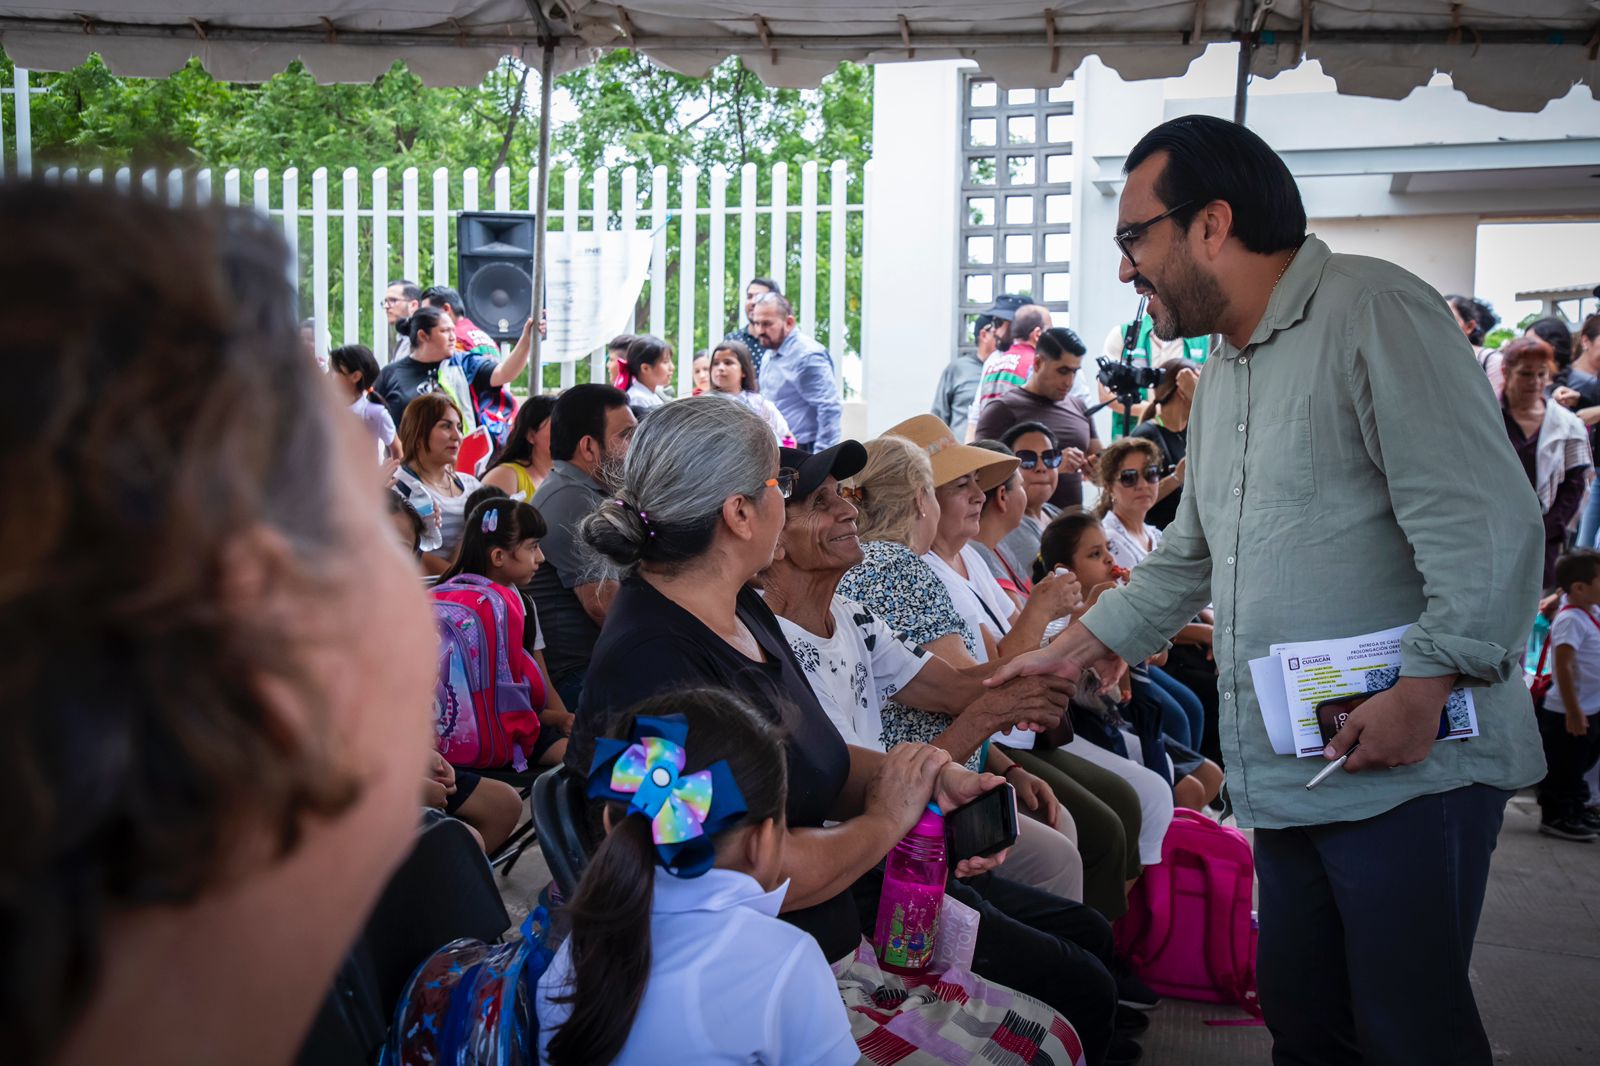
{"points": [[1119, 573]]}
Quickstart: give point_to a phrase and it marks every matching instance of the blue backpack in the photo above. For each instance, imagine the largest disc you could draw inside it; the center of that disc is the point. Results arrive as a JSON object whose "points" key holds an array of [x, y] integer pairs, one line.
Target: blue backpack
{"points": [[472, 1003]]}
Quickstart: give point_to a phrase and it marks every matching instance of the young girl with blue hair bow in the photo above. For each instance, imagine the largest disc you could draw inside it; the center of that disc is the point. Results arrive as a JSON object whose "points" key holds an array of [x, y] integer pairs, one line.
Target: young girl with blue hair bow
{"points": [[676, 952]]}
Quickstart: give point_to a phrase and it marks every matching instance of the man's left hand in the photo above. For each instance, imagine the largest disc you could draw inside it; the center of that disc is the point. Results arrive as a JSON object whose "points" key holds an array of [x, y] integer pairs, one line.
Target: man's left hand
{"points": [[955, 787], [1396, 727]]}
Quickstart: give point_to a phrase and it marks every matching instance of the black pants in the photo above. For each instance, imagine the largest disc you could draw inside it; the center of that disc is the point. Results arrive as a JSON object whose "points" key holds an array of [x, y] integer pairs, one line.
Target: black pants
{"points": [[1563, 793], [1367, 929], [1052, 949]]}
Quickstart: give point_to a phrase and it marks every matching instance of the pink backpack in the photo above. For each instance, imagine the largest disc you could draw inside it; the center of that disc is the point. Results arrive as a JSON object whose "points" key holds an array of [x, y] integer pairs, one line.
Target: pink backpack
{"points": [[489, 692], [1189, 931]]}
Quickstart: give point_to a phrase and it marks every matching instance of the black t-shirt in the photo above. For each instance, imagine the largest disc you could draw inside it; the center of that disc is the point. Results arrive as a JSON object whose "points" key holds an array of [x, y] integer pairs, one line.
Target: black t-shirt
{"points": [[1174, 446], [405, 379], [650, 645], [1067, 420]]}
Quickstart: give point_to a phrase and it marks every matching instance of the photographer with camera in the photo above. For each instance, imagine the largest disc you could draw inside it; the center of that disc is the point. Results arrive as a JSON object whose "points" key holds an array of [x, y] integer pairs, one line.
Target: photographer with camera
{"points": [[1045, 398]]}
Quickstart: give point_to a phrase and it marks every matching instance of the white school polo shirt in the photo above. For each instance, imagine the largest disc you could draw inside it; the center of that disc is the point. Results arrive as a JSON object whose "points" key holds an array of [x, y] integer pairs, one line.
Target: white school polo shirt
{"points": [[729, 982]]}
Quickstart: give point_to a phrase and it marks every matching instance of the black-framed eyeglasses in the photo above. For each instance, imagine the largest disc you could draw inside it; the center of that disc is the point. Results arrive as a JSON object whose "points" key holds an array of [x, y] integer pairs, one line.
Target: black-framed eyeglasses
{"points": [[1129, 478], [1029, 459], [1125, 240]]}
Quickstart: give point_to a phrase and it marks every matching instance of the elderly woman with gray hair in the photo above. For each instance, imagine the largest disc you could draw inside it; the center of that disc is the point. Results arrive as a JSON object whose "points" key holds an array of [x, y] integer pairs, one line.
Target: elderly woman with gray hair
{"points": [[689, 529]]}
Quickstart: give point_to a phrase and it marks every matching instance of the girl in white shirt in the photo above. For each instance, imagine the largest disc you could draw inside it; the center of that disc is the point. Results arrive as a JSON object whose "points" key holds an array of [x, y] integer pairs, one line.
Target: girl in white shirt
{"points": [[677, 953], [646, 370]]}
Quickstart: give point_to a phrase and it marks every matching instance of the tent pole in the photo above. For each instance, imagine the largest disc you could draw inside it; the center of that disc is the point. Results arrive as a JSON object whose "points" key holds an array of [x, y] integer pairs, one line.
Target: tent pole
{"points": [[1247, 47], [541, 214]]}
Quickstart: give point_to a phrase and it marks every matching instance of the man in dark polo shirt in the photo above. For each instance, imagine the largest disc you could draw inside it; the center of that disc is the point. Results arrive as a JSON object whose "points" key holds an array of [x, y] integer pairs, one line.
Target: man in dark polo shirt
{"points": [[1045, 398], [589, 433]]}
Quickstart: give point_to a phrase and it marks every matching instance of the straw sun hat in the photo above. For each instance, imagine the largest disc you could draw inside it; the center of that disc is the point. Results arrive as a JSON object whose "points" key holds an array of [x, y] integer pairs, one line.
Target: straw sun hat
{"points": [[949, 457]]}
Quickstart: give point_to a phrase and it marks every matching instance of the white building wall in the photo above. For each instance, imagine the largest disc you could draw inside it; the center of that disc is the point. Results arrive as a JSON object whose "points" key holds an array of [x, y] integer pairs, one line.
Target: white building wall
{"points": [[910, 284], [1440, 249]]}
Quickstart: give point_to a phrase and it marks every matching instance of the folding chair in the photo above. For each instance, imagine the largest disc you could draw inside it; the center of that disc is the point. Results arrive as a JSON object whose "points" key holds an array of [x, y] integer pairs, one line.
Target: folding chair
{"points": [[507, 854]]}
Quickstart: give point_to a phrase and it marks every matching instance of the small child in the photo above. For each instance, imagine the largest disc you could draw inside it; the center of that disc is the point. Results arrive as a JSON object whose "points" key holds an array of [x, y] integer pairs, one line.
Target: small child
{"points": [[677, 953], [1568, 722], [500, 541], [355, 366]]}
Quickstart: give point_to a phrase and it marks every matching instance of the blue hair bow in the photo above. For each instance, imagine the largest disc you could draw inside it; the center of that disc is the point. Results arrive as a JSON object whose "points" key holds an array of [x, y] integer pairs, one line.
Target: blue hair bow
{"points": [[685, 810]]}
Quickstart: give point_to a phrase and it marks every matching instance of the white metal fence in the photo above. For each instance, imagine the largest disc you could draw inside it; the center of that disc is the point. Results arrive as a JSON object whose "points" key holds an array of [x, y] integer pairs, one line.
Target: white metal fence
{"points": [[351, 238]]}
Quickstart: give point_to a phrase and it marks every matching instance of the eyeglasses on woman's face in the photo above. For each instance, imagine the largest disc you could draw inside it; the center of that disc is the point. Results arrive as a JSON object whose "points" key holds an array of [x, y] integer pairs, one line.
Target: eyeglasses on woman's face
{"points": [[1130, 477], [1030, 460]]}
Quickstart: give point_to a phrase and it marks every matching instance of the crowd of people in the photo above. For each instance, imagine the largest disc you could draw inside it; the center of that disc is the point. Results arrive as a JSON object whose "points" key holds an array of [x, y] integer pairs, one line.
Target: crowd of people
{"points": [[828, 634]]}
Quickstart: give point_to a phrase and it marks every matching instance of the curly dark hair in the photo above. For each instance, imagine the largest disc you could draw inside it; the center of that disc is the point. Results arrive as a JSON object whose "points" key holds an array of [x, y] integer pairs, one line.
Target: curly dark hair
{"points": [[166, 412]]}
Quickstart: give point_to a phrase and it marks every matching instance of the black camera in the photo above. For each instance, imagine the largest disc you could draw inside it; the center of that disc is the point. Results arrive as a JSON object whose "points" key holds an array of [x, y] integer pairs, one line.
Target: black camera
{"points": [[1125, 380]]}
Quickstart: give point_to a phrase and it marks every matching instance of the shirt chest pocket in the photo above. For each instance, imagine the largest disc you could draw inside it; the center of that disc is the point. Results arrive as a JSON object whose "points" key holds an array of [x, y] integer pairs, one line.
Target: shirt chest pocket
{"points": [[1278, 456]]}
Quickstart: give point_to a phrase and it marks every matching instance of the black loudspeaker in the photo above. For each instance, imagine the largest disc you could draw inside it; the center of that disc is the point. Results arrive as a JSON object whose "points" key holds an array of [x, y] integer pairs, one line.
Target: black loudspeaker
{"points": [[494, 262]]}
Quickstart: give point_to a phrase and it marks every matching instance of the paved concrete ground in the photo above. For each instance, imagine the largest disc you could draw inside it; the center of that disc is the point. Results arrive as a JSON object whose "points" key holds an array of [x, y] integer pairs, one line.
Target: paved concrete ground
{"points": [[1536, 966]]}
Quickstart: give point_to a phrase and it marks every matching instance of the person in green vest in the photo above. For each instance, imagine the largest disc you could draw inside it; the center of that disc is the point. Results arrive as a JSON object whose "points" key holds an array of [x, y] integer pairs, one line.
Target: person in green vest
{"points": [[1148, 350]]}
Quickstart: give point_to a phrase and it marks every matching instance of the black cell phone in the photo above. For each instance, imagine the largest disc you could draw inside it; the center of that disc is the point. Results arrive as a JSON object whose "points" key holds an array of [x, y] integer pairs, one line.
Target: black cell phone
{"points": [[986, 826]]}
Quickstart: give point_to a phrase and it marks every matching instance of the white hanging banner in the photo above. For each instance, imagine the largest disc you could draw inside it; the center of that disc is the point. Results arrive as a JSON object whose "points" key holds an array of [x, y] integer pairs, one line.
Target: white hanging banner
{"points": [[594, 282]]}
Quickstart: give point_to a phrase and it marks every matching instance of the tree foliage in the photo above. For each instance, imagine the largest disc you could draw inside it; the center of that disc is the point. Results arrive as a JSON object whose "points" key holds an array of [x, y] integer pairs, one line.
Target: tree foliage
{"points": [[630, 113]]}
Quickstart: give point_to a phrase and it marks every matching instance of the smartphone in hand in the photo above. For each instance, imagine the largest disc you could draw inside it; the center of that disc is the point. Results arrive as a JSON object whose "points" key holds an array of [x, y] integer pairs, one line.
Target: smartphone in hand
{"points": [[984, 827]]}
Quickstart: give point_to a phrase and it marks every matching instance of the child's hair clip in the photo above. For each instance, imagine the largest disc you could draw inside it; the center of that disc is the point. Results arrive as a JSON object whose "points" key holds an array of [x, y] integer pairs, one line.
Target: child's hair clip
{"points": [[491, 520]]}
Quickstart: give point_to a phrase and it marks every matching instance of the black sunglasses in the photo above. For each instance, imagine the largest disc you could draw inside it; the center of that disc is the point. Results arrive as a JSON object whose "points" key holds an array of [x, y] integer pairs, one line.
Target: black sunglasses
{"points": [[1029, 460], [1125, 240], [1129, 478]]}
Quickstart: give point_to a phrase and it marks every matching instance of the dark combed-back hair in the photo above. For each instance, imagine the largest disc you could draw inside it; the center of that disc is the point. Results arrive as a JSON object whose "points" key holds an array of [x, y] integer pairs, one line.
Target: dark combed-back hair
{"points": [[515, 522], [140, 749], [1059, 541], [422, 320], [769, 283], [581, 412], [747, 366], [1209, 159], [444, 296], [408, 288], [610, 911], [531, 416], [1058, 341], [1475, 313], [1558, 335], [355, 357], [1577, 567]]}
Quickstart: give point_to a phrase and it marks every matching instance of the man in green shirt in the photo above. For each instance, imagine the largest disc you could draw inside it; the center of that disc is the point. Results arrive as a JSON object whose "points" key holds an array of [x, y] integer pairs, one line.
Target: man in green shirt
{"points": [[1319, 505]]}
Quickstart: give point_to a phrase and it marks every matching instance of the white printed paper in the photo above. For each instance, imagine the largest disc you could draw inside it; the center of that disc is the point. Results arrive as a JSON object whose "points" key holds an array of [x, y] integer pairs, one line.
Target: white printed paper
{"points": [[1266, 674], [594, 279], [1317, 670]]}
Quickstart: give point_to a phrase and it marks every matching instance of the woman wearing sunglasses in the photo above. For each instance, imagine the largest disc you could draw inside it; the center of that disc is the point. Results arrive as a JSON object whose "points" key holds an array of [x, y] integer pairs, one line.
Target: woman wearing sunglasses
{"points": [[1130, 476], [1040, 459]]}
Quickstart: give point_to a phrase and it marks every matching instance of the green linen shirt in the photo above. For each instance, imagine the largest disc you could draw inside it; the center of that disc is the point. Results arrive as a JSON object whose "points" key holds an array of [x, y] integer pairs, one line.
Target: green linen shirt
{"points": [[1349, 472]]}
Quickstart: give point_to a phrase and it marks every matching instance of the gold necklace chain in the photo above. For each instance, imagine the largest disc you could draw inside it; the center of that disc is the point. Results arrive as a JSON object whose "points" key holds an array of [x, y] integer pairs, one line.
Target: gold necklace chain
{"points": [[1285, 269]]}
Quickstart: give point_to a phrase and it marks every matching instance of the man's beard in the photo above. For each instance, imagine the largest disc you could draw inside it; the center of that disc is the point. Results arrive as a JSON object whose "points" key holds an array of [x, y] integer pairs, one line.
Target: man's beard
{"points": [[611, 469], [1192, 303]]}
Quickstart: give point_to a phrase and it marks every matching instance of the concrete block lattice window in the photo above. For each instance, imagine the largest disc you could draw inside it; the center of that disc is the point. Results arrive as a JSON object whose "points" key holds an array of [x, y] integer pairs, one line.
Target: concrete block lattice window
{"points": [[1015, 214]]}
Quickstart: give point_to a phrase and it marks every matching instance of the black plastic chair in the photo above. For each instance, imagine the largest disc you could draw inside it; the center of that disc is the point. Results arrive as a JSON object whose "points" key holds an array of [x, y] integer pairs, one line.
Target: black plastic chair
{"points": [[443, 891], [507, 854], [560, 812]]}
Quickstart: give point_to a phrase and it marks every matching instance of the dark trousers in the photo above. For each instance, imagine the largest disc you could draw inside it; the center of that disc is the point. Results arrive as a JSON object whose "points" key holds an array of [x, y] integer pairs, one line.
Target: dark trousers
{"points": [[1367, 929], [1563, 793], [1052, 949]]}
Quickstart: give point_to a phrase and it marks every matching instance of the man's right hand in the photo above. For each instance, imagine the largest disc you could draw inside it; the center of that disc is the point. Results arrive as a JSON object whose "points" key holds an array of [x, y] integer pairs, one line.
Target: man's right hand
{"points": [[1068, 656]]}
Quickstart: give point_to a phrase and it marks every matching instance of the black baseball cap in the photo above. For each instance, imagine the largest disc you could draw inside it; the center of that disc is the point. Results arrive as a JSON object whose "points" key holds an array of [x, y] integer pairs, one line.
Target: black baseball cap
{"points": [[1006, 306], [845, 459]]}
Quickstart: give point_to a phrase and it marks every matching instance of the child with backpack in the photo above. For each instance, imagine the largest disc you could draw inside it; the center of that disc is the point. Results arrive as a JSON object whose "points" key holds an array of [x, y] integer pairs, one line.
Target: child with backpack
{"points": [[676, 952], [500, 543], [1569, 715]]}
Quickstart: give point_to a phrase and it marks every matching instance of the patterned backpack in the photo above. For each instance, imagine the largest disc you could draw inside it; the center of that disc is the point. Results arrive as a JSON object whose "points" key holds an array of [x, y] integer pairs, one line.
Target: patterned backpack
{"points": [[489, 691]]}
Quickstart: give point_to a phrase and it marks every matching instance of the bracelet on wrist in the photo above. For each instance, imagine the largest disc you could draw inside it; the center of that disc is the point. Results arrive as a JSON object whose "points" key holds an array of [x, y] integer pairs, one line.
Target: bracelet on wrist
{"points": [[1007, 771]]}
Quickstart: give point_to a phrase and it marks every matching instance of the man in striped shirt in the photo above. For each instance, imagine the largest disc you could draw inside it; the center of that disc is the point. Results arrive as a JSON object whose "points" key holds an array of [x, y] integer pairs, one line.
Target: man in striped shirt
{"points": [[1010, 365]]}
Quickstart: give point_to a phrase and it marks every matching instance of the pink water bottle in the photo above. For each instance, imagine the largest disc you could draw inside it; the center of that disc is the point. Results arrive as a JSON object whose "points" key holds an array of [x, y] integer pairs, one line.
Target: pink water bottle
{"points": [[913, 891]]}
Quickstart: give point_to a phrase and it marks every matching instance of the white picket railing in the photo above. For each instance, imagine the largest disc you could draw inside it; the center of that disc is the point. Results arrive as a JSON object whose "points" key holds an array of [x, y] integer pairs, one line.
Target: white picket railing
{"points": [[714, 302]]}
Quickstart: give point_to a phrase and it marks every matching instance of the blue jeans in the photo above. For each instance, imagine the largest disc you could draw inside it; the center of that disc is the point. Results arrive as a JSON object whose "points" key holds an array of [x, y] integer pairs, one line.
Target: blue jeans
{"points": [[1182, 716], [1589, 523]]}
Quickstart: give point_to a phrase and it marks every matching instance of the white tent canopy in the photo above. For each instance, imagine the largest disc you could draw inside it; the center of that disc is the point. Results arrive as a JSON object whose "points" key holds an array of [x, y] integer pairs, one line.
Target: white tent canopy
{"points": [[1511, 54]]}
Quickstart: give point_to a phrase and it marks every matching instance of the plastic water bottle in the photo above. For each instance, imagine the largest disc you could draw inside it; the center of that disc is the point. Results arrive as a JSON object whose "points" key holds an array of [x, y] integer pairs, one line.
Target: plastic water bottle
{"points": [[913, 891]]}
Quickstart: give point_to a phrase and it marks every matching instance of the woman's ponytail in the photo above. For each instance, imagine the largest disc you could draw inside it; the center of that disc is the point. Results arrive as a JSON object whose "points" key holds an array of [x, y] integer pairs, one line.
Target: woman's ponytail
{"points": [[610, 945]]}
